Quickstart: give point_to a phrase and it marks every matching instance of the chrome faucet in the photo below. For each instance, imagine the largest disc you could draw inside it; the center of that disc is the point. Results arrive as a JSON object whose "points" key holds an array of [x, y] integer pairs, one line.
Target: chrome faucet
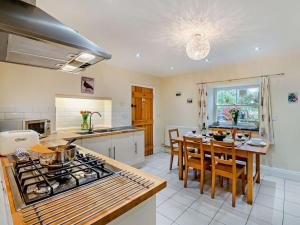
{"points": [[91, 126]]}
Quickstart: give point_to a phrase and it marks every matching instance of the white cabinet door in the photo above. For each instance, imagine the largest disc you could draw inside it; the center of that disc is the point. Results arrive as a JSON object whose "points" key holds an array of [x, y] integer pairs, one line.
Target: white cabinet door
{"points": [[101, 145], [139, 147], [123, 148], [5, 215]]}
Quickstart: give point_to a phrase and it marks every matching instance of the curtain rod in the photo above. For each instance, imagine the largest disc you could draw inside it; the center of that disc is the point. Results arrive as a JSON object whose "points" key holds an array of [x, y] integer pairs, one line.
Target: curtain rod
{"points": [[244, 78]]}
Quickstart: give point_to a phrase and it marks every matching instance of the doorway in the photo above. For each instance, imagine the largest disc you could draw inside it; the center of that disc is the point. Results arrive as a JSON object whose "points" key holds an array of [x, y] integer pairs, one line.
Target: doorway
{"points": [[142, 113]]}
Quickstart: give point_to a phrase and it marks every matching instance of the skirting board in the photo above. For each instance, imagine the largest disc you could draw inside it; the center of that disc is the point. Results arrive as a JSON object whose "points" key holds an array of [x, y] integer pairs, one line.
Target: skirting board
{"points": [[282, 173]]}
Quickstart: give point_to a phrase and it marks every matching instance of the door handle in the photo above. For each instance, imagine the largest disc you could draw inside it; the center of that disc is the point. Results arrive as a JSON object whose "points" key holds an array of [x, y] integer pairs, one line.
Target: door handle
{"points": [[114, 152], [135, 148], [109, 152]]}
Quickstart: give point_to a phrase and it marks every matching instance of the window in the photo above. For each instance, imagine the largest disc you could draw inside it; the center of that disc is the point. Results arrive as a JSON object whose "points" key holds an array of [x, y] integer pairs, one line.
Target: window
{"points": [[246, 98]]}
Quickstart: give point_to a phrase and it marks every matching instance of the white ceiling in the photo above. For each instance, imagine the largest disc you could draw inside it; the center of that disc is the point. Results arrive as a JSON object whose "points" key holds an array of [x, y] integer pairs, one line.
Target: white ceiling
{"points": [[157, 29]]}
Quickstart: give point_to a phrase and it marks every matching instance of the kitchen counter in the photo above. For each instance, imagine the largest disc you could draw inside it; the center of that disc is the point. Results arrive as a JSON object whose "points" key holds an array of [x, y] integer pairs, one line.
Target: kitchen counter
{"points": [[72, 133], [108, 214]]}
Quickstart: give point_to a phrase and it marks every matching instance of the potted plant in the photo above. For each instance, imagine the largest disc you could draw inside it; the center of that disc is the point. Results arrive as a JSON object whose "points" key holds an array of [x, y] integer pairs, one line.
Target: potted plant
{"points": [[85, 116], [234, 115]]}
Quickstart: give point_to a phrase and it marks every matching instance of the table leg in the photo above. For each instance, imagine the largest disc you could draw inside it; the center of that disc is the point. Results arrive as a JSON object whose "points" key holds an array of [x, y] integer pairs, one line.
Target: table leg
{"points": [[250, 178], [257, 168], [180, 159]]}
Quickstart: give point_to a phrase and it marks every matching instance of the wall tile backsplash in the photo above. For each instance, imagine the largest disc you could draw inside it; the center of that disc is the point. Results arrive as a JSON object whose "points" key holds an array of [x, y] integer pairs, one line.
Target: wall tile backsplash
{"points": [[68, 112], [64, 117]]}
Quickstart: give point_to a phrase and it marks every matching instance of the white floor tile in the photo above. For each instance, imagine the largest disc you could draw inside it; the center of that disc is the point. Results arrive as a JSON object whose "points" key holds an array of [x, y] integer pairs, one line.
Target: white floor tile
{"points": [[291, 220], [162, 220], [171, 209], [207, 205], [185, 198], [230, 216], [215, 222], [267, 214], [168, 191], [292, 208], [292, 197], [256, 221], [272, 191], [193, 217], [160, 198], [241, 204], [269, 201]]}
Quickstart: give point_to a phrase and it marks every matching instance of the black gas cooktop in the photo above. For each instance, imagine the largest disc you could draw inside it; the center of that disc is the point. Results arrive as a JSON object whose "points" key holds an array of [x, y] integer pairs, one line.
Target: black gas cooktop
{"points": [[36, 182]]}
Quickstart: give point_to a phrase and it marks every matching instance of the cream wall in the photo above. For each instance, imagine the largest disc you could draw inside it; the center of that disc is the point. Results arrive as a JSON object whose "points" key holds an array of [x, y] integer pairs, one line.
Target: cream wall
{"points": [[27, 92], [285, 154]]}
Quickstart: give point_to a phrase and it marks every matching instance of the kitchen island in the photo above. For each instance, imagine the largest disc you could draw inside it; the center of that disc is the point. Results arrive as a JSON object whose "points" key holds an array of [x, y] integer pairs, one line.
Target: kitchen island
{"points": [[132, 200]]}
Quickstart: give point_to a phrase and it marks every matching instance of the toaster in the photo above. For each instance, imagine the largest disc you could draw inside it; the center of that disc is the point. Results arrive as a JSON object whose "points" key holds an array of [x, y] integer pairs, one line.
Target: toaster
{"points": [[11, 140]]}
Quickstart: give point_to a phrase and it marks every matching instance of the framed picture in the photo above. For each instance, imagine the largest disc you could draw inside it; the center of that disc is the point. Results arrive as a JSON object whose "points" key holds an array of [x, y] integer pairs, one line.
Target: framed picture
{"points": [[87, 85], [293, 97], [189, 100], [178, 94]]}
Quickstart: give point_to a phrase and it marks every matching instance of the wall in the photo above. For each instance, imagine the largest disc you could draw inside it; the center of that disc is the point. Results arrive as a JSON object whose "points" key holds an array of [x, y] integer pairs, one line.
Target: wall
{"points": [[27, 92], [285, 154]]}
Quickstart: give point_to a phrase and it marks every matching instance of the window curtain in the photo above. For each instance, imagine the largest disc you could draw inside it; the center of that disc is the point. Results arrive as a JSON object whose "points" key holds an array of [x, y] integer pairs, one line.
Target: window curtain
{"points": [[203, 115], [266, 123]]}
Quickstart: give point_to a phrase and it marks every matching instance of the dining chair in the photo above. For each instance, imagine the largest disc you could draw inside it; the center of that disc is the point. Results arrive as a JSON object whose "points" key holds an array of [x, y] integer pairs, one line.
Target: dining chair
{"points": [[195, 159], [173, 133], [227, 168]]}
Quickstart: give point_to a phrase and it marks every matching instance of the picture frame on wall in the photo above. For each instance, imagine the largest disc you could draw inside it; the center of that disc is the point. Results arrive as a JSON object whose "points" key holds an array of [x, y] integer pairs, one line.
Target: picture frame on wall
{"points": [[87, 85], [292, 97]]}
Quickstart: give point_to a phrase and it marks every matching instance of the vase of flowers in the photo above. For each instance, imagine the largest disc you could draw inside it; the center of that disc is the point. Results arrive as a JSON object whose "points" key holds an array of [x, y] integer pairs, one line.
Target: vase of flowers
{"points": [[85, 116], [234, 115]]}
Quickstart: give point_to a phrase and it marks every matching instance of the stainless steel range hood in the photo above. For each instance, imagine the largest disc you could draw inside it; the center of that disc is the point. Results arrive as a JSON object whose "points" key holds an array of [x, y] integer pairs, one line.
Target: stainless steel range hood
{"points": [[30, 36]]}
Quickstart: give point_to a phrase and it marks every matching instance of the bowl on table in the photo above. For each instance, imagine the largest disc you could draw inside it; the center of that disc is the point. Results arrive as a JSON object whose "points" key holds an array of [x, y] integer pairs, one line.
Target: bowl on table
{"points": [[219, 136], [194, 131], [239, 136]]}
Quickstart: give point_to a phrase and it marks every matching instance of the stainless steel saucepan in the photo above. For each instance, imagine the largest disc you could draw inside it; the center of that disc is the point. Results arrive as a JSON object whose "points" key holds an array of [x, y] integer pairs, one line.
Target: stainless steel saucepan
{"points": [[62, 155]]}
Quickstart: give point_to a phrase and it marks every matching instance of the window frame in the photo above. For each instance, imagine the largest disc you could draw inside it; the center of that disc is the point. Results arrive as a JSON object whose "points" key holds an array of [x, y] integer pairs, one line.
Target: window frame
{"points": [[237, 87]]}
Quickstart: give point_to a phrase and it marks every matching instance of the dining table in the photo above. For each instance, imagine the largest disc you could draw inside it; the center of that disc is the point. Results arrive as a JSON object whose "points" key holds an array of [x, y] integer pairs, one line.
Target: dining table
{"points": [[243, 149]]}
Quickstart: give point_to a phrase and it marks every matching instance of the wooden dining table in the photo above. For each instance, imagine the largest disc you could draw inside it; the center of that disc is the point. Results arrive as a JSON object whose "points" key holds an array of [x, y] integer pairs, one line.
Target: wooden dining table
{"points": [[243, 150]]}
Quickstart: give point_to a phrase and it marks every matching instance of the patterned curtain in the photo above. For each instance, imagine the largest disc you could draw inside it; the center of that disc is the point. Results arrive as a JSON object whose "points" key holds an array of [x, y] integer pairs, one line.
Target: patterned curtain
{"points": [[203, 116], [266, 123]]}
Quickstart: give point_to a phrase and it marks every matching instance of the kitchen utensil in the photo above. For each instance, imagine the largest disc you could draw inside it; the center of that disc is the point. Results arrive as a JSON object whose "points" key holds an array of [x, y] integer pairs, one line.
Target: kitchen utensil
{"points": [[11, 140], [62, 155], [71, 141]]}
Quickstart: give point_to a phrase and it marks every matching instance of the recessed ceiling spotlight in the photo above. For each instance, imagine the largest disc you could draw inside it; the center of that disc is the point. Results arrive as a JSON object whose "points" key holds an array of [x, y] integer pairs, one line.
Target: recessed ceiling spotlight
{"points": [[138, 55], [206, 60], [257, 49], [171, 68]]}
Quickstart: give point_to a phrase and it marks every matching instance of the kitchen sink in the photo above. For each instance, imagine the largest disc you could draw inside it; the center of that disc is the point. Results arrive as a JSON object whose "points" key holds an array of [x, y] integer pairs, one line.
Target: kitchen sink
{"points": [[105, 130]]}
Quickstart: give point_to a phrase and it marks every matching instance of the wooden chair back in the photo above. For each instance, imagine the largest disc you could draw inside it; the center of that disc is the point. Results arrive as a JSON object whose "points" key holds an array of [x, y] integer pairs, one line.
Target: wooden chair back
{"points": [[173, 133], [192, 142], [217, 159]]}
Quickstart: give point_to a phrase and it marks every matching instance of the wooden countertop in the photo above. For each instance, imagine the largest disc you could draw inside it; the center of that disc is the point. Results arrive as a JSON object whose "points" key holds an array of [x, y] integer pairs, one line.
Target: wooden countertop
{"points": [[107, 215], [70, 134]]}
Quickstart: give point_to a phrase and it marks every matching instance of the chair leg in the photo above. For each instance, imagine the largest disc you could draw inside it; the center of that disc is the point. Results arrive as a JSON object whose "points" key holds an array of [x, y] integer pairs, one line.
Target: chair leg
{"points": [[202, 174], [171, 161], [243, 183], [221, 181], [186, 175], [213, 184], [233, 190]]}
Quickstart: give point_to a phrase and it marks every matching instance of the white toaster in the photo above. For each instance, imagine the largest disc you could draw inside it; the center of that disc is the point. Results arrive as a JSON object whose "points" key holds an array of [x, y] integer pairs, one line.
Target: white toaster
{"points": [[10, 140]]}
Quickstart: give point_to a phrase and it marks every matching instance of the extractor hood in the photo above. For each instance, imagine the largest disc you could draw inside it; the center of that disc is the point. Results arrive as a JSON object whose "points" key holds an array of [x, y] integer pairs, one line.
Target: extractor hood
{"points": [[30, 36]]}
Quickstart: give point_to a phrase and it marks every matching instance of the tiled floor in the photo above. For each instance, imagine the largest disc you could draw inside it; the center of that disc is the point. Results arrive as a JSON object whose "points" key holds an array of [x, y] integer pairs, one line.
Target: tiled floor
{"points": [[276, 200]]}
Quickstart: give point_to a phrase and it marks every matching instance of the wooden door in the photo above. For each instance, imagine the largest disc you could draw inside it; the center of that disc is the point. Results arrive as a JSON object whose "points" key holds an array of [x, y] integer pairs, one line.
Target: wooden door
{"points": [[142, 114]]}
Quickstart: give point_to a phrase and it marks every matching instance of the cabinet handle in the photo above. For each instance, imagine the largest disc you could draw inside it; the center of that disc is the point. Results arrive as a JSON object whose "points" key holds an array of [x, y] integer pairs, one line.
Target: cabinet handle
{"points": [[114, 152], [135, 148]]}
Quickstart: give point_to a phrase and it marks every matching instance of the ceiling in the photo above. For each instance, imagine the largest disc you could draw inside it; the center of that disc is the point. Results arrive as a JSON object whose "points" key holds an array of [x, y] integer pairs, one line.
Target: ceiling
{"points": [[157, 30]]}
